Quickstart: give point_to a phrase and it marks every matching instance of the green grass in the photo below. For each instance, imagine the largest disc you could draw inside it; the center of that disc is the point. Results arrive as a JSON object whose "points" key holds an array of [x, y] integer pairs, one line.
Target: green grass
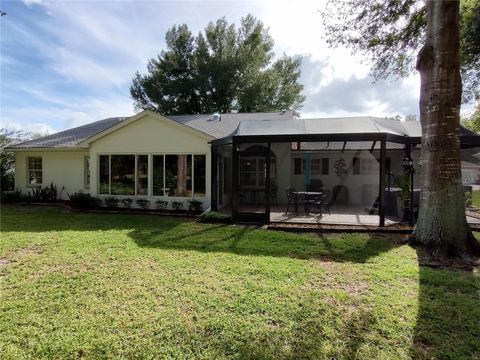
{"points": [[121, 286], [476, 198]]}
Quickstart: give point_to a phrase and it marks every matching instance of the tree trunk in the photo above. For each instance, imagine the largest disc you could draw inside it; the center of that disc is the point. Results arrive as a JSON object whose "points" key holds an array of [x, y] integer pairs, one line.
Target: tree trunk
{"points": [[442, 227]]}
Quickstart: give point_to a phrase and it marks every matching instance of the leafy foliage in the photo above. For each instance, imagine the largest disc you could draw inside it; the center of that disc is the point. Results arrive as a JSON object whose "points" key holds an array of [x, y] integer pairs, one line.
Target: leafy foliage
{"points": [[111, 202], [7, 158], [472, 122], [127, 202], [213, 217], [143, 203], [44, 194], [177, 205], [83, 200], [391, 33], [220, 69], [195, 206], [161, 204]]}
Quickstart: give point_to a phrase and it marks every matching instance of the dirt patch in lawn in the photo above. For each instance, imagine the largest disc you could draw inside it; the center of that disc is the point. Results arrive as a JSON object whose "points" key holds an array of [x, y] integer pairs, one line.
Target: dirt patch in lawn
{"points": [[4, 262], [33, 249]]}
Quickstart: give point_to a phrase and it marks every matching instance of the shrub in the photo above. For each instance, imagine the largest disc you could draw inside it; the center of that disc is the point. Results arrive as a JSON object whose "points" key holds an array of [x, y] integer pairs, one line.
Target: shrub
{"points": [[213, 217], [177, 205], [44, 194], [195, 206], [162, 204], [111, 202], [82, 200], [12, 196], [468, 198], [143, 203], [127, 203]]}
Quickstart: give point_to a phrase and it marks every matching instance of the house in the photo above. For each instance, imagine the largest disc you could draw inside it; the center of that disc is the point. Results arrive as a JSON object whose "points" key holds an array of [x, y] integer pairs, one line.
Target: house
{"points": [[231, 162]]}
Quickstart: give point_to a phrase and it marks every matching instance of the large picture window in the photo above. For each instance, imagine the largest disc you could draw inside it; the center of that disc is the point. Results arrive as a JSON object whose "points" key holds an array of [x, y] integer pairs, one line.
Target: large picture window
{"points": [[142, 175], [34, 170], [122, 170], [175, 175], [104, 174], [199, 180], [178, 175], [158, 185]]}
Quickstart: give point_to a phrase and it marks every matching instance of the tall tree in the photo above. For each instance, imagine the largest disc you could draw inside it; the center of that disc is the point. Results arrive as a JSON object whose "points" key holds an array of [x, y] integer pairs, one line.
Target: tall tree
{"points": [[221, 69], [7, 158], [390, 32], [442, 225]]}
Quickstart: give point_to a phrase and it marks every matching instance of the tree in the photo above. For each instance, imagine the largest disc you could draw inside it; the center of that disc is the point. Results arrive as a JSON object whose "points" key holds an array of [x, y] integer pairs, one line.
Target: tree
{"points": [[7, 158], [397, 27], [472, 121], [391, 32], [221, 69]]}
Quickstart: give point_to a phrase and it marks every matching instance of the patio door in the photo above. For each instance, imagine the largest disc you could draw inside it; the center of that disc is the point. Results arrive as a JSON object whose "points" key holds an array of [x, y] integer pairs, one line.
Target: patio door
{"points": [[252, 182]]}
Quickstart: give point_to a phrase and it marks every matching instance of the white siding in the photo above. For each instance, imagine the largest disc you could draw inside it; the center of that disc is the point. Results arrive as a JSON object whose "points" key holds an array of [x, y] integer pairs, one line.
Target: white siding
{"points": [[62, 168]]}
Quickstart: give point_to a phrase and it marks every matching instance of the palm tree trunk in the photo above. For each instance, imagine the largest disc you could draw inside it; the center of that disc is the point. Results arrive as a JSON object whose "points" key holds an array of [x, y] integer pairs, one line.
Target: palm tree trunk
{"points": [[442, 227]]}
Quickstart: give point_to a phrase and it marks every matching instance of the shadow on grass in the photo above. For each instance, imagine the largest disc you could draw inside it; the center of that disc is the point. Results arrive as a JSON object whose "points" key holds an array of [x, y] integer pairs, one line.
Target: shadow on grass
{"points": [[448, 320], [448, 316]]}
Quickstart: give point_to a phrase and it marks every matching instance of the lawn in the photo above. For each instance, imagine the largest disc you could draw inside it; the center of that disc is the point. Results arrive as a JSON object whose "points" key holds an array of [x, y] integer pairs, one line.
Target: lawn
{"points": [[476, 198], [128, 286]]}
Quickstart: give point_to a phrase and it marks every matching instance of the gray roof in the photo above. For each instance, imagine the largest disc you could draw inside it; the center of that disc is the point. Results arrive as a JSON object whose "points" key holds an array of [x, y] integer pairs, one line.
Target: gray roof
{"points": [[345, 125], [71, 137], [228, 123], [226, 126], [274, 123]]}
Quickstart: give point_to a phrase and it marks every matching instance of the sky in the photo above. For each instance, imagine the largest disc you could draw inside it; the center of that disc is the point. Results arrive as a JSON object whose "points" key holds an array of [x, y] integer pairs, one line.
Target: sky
{"points": [[68, 63]]}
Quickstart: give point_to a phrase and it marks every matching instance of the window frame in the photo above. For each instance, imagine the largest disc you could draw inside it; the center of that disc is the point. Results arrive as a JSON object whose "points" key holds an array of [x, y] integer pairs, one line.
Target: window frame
{"points": [[86, 172], [150, 170], [29, 184]]}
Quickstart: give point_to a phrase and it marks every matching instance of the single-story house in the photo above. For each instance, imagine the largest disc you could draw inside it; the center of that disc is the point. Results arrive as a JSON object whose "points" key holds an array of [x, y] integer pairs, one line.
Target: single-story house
{"points": [[230, 162]]}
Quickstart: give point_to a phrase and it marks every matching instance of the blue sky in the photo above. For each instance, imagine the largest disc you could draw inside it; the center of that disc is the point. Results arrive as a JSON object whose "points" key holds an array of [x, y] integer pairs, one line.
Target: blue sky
{"points": [[66, 63]]}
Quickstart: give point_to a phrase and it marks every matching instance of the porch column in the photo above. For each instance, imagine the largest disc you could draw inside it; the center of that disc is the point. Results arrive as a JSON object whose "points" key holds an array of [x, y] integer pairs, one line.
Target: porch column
{"points": [[267, 184], [381, 190], [214, 179], [235, 182]]}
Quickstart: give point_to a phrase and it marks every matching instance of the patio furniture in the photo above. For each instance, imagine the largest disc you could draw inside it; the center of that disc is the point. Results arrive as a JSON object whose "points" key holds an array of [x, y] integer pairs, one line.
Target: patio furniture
{"points": [[324, 202], [308, 198]]}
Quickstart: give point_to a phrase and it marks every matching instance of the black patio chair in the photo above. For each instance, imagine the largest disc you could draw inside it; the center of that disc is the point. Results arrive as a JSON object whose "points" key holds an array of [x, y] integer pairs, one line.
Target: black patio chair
{"points": [[323, 202]]}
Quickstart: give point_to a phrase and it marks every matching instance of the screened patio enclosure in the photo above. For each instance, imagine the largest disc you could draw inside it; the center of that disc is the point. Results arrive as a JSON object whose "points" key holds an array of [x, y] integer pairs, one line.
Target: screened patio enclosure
{"points": [[357, 170]]}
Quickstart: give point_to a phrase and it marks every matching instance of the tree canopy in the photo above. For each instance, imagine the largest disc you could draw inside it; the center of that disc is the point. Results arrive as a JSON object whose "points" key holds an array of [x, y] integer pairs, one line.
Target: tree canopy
{"points": [[223, 69], [472, 121], [391, 32]]}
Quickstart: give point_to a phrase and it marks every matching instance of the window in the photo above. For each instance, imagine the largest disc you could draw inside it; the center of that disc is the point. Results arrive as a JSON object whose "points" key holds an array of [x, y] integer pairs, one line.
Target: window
{"points": [[199, 172], [317, 166], [158, 185], [104, 174], [171, 175], [142, 175], [34, 170], [122, 170], [362, 166], [252, 171], [178, 175], [86, 171]]}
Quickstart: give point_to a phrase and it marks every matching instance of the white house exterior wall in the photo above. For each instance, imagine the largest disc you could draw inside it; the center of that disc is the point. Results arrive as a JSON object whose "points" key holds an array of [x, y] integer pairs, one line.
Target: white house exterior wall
{"points": [[65, 169], [148, 136]]}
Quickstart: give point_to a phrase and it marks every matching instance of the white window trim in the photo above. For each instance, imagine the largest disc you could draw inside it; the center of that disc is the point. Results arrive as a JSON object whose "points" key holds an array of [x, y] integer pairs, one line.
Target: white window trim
{"points": [[150, 174], [29, 185]]}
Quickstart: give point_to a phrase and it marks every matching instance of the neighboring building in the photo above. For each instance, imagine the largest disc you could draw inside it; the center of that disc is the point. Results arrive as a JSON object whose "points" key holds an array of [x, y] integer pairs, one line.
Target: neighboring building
{"points": [[470, 173], [227, 161]]}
